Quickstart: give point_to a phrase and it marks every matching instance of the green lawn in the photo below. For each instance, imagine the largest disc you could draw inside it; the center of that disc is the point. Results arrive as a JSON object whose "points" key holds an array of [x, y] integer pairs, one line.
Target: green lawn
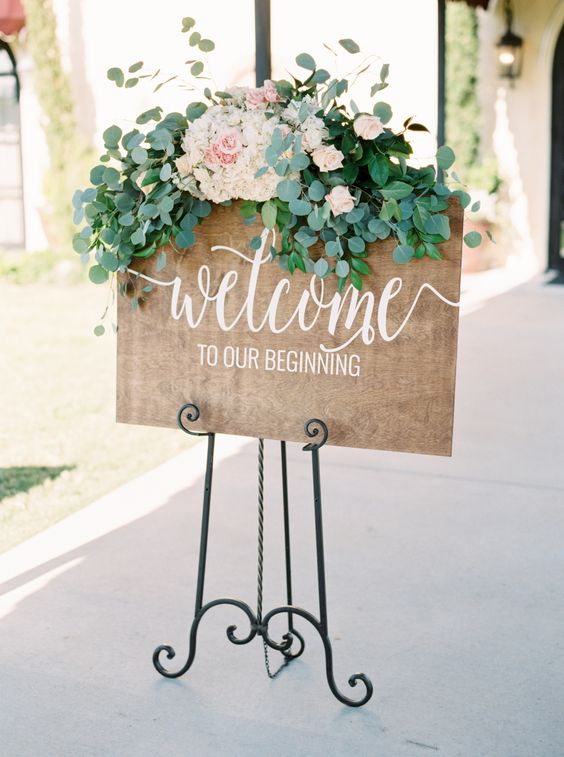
{"points": [[60, 447]]}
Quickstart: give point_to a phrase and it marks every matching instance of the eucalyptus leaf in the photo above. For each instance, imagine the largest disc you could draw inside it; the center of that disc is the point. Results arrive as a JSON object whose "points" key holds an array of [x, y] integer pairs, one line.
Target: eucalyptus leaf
{"points": [[206, 45], [288, 189], [97, 274], [321, 268], [383, 111], [316, 191], [116, 75], [445, 157], [304, 60], [350, 46], [342, 268], [268, 213], [472, 239], [299, 207], [403, 253]]}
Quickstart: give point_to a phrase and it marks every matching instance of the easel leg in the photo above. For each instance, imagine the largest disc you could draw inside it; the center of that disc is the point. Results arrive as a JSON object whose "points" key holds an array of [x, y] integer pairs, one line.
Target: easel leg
{"points": [[312, 429], [258, 623]]}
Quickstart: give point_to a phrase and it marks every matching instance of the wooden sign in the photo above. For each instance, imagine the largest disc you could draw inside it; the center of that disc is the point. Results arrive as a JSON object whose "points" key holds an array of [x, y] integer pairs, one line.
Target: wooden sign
{"points": [[260, 351]]}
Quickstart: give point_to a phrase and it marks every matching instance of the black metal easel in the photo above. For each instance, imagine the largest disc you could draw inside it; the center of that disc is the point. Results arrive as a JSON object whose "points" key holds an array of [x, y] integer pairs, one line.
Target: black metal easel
{"points": [[190, 413]]}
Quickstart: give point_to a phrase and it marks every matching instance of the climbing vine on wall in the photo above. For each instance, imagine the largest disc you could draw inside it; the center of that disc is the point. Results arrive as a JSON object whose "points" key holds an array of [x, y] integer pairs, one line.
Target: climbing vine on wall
{"points": [[462, 104], [56, 102]]}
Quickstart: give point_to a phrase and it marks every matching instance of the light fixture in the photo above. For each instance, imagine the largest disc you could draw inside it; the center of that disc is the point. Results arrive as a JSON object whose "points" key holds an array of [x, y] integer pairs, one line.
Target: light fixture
{"points": [[509, 48]]}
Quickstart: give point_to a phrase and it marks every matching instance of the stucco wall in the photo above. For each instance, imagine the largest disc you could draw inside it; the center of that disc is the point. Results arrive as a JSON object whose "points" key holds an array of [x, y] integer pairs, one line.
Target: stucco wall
{"points": [[517, 123]]}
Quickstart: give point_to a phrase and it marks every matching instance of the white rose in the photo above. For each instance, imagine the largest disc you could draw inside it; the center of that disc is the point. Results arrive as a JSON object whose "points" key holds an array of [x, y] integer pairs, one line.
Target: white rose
{"points": [[183, 165], [340, 200], [314, 132], [327, 158], [368, 127]]}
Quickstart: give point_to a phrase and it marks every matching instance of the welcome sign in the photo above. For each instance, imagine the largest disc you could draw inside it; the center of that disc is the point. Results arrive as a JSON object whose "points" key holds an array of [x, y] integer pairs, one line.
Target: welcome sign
{"points": [[260, 351]]}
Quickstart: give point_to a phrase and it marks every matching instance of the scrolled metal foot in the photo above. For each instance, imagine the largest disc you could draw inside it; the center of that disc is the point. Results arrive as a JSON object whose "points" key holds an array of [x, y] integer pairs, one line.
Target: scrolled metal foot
{"points": [[353, 680], [170, 652], [288, 652]]}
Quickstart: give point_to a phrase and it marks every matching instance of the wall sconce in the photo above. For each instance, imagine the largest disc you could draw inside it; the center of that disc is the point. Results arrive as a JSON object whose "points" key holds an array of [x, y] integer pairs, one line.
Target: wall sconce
{"points": [[509, 48]]}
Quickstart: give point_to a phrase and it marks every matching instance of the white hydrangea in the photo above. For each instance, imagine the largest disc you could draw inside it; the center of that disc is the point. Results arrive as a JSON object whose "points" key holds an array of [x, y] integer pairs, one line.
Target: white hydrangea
{"points": [[223, 150], [313, 132]]}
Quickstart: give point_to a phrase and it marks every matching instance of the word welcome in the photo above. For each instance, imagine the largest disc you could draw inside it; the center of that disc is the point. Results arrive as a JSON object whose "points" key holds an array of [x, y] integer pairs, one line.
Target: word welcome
{"points": [[350, 310]]}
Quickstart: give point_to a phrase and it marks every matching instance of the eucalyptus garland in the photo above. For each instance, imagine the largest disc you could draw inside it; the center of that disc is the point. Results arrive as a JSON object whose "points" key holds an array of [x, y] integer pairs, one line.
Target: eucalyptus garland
{"points": [[300, 162]]}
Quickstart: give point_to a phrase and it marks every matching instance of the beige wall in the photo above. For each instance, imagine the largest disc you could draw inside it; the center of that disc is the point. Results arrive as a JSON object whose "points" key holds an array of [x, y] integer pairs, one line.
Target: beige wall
{"points": [[517, 123], [97, 34]]}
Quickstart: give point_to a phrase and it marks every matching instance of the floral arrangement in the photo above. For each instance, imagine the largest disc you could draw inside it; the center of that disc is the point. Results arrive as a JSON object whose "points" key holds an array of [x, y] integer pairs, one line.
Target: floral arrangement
{"points": [[298, 160]]}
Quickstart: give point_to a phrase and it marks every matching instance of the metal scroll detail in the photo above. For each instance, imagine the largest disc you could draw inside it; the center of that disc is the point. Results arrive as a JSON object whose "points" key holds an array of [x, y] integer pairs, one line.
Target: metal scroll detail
{"points": [[317, 431]]}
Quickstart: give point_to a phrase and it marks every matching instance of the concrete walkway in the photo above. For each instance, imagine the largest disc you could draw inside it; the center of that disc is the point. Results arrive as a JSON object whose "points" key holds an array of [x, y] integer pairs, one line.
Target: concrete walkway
{"points": [[445, 585]]}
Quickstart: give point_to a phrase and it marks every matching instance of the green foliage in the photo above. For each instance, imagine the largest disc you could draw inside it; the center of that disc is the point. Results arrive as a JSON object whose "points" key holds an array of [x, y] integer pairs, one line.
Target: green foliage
{"points": [[137, 203], [462, 105], [55, 99]]}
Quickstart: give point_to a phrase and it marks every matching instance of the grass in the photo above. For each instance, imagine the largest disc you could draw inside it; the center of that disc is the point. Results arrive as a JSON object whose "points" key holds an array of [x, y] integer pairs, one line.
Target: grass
{"points": [[60, 447]]}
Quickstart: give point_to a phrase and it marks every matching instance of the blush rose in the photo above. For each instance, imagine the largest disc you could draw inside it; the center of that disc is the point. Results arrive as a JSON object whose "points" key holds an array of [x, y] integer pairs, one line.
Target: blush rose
{"points": [[340, 200]]}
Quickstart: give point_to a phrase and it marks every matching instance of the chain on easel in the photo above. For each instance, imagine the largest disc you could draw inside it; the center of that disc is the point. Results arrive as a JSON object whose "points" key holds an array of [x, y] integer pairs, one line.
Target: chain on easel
{"points": [[260, 565]]}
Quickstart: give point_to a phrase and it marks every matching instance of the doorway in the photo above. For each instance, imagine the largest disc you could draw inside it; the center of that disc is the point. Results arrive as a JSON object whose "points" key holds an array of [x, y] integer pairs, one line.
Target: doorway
{"points": [[556, 223], [12, 233]]}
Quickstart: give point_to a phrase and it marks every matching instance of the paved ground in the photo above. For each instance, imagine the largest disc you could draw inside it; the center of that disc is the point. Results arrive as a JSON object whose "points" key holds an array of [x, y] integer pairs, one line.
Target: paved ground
{"points": [[445, 582]]}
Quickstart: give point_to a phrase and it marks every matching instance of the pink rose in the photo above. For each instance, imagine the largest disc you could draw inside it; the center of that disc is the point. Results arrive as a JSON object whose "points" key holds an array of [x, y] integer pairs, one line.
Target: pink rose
{"points": [[368, 127], [340, 200], [255, 98], [230, 141], [214, 157], [269, 92]]}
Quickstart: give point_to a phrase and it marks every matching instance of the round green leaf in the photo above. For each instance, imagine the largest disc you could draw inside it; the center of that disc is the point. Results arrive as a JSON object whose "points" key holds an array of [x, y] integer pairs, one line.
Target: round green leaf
{"points": [[135, 67], [403, 253], [79, 244], [165, 172], [299, 161], [99, 330], [197, 68], [109, 261], [333, 248], [116, 75], [342, 268], [206, 45], [112, 136], [445, 157], [304, 60], [383, 111], [139, 155], [350, 46], [111, 177], [97, 274], [321, 267], [316, 191], [356, 244], [288, 189], [299, 207], [472, 239]]}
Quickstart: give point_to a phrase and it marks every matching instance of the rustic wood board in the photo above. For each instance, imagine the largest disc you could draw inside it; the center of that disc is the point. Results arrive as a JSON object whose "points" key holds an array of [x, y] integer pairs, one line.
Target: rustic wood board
{"points": [[402, 400]]}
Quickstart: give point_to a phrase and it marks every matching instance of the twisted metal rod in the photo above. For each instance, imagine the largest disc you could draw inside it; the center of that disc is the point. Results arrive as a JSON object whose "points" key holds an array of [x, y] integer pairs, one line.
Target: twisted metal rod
{"points": [[260, 563]]}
